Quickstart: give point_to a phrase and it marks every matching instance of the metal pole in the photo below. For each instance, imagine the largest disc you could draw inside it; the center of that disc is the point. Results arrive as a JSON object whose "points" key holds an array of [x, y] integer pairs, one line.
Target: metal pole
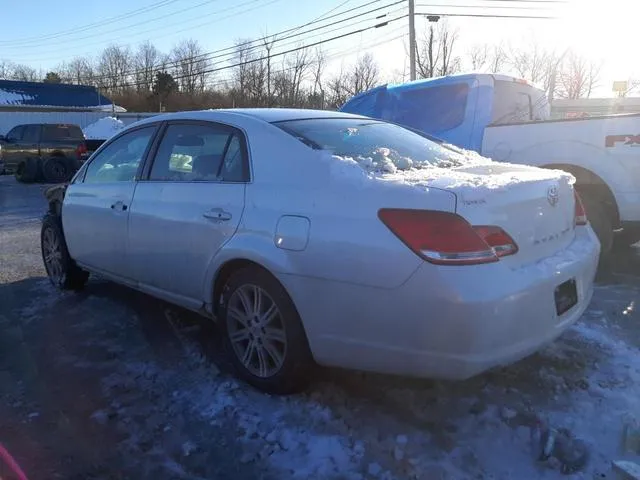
{"points": [[412, 41]]}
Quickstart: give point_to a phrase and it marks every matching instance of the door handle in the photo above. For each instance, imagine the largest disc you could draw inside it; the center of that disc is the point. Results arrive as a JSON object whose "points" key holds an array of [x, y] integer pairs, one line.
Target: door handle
{"points": [[119, 206], [217, 214]]}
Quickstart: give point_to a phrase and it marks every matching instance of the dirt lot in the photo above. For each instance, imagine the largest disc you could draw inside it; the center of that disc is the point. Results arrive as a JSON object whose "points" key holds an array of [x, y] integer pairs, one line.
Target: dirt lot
{"points": [[112, 384]]}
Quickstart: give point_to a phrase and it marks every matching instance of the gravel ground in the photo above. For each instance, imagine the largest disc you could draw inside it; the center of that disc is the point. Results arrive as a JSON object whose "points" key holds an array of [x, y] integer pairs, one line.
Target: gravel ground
{"points": [[113, 384]]}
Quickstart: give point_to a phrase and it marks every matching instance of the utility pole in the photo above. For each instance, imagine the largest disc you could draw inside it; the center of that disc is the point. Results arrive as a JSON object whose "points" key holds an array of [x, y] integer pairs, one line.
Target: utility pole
{"points": [[412, 40]]}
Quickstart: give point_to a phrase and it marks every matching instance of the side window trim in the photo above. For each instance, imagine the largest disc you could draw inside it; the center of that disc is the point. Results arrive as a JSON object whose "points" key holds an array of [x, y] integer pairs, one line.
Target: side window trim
{"points": [[246, 167], [145, 156]]}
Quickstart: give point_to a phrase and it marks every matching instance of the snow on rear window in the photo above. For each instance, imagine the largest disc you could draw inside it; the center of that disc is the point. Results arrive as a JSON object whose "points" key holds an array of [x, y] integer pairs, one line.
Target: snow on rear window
{"points": [[376, 146]]}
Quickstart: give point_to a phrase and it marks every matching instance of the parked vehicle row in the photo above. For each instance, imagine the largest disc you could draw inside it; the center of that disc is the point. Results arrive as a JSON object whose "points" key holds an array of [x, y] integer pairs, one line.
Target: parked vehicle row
{"points": [[43, 152], [329, 238], [508, 120]]}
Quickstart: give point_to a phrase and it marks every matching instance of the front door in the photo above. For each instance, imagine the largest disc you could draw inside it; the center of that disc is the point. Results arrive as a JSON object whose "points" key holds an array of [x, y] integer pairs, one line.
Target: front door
{"points": [[10, 148], [189, 206], [96, 206]]}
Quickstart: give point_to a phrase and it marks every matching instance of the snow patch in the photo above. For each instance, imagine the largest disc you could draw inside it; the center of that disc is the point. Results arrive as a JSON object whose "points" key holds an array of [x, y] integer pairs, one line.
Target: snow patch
{"points": [[103, 129], [469, 175], [13, 98]]}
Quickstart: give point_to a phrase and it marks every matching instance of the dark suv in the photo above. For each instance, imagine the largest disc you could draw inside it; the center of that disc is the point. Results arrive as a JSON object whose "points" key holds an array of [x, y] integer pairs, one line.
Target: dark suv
{"points": [[48, 152]]}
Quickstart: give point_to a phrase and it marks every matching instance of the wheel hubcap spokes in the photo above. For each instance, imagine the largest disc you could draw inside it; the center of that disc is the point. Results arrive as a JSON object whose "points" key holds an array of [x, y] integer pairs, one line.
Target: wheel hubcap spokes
{"points": [[52, 254], [256, 331]]}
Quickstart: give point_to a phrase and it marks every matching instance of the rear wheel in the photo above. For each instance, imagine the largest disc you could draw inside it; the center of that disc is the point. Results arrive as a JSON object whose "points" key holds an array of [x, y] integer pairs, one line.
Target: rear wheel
{"points": [[61, 269], [55, 170], [263, 333]]}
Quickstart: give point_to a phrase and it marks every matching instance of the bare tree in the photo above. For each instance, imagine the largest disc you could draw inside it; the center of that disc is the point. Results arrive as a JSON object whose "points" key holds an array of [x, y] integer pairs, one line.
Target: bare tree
{"points": [[146, 62], [435, 53], [578, 76], [478, 55], [267, 43], [6, 69], [297, 65], [113, 68], [79, 70], [337, 90], [363, 75], [532, 62], [487, 58], [191, 66], [25, 73], [319, 64], [497, 58]]}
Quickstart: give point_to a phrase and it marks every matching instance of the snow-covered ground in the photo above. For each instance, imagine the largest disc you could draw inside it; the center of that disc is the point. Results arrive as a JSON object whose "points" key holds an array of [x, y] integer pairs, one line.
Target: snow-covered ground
{"points": [[103, 129], [141, 389], [355, 425]]}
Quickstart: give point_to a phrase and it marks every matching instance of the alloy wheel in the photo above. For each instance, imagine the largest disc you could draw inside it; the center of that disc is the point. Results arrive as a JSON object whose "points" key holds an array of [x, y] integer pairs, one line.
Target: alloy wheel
{"points": [[52, 255], [256, 331]]}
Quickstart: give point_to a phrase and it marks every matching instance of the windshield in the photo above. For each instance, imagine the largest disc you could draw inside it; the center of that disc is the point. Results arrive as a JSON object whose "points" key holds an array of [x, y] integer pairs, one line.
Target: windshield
{"points": [[374, 144]]}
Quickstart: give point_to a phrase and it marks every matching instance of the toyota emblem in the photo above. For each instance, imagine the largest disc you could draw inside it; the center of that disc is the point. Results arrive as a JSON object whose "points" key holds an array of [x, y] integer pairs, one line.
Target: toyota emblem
{"points": [[552, 196]]}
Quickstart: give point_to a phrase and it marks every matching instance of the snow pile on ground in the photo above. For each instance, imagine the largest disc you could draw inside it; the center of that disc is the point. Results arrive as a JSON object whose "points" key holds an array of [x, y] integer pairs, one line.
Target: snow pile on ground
{"points": [[103, 129]]}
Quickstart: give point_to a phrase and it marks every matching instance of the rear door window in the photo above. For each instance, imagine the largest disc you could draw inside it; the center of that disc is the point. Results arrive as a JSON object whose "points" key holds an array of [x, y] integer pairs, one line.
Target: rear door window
{"points": [[199, 152], [515, 102], [31, 134], [62, 132], [434, 109]]}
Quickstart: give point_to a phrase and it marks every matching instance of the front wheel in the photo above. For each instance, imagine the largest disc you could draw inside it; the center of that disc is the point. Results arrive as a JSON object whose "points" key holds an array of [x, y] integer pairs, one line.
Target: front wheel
{"points": [[263, 333], [61, 269]]}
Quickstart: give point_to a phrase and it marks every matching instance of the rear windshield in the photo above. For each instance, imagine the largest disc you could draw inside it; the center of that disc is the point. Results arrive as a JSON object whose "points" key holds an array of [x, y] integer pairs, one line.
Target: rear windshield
{"points": [[515, 102], [373, 143], [62, 132]]}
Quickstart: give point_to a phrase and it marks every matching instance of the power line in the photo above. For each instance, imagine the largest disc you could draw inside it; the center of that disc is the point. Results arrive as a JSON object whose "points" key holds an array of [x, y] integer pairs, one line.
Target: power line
{"points": [[259, 59], [119, 29], [217, 54], [239, 13], [478, 15], [89, 26], [481, 7], [330, 57], [173, 32]]}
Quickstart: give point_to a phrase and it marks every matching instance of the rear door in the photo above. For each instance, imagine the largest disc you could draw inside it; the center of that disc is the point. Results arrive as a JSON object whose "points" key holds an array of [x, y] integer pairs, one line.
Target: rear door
{"points": [[97, 204], [188, 207]]}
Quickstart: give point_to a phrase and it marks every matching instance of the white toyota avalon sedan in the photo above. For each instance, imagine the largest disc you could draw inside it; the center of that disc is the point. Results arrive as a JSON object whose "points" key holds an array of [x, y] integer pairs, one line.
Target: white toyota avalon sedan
{"points": [[329, 238]]}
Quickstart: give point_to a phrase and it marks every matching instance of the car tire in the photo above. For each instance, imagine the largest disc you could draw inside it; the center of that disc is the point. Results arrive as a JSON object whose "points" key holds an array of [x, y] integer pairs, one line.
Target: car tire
{"points": [[61, 269], [600, 222], [270, 352], [55, 170], [26, 172]]}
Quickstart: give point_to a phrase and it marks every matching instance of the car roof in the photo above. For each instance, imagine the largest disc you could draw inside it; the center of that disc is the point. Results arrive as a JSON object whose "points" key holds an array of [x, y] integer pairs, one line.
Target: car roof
{"points": [[283, 114], [268, 115]]}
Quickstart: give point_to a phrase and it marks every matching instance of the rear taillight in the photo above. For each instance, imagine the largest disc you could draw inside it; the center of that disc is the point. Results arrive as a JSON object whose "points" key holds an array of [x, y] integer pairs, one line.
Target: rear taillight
{"points": [[447, 238], [499, 240], [580, 217], [81, 150]]}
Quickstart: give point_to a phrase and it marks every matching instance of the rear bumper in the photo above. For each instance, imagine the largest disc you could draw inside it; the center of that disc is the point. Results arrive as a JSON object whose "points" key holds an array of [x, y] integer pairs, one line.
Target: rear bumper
{"points": [[451, 322]]}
